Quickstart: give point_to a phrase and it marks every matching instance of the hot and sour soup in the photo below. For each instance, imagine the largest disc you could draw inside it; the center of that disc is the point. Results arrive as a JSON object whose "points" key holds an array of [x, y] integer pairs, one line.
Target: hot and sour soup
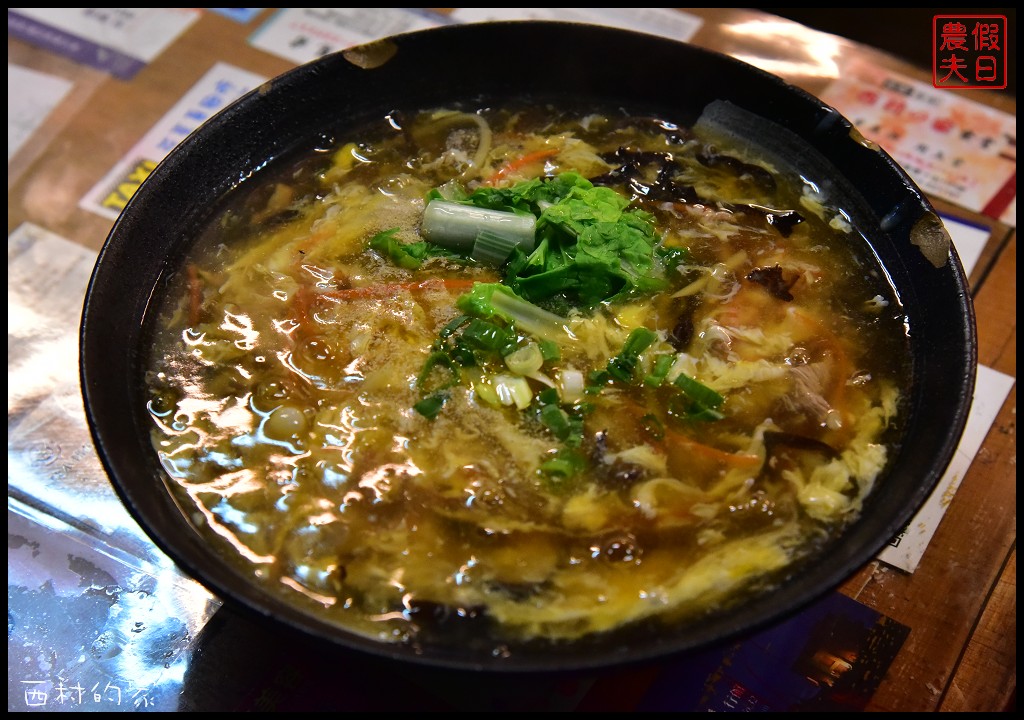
{"points": [[544, 372]]}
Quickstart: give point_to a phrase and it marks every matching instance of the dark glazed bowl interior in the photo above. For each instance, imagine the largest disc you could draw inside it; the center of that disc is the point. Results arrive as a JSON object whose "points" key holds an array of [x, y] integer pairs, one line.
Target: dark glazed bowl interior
{"points": [[550, 61]]}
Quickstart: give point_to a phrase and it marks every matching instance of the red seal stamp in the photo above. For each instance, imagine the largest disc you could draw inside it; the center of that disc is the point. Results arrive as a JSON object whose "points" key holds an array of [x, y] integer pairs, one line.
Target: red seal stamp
{"points": [[969, 52]]}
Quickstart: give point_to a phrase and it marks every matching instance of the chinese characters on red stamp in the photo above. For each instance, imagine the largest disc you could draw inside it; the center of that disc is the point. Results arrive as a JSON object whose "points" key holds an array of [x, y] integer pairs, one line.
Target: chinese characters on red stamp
{"points": [[969, 52]]}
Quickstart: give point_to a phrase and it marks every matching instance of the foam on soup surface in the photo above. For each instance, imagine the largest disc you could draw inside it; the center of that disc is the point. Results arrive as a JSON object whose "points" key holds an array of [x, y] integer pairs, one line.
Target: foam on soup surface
{"points": [[550, 374]]}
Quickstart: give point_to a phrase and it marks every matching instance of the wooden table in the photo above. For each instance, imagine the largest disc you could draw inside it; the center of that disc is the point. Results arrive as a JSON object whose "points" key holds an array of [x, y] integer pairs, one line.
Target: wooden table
{"points": [[960, 603]]}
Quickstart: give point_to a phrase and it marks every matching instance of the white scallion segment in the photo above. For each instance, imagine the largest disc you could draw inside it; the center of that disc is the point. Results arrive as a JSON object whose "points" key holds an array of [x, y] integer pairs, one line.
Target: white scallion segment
{"points": [[570, 385], [513, 390], [492, 249], [542, 378], [457, 226]]}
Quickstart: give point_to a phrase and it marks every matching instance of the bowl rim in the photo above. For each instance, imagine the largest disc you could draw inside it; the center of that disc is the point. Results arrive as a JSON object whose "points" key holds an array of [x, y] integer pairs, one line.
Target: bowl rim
{"points": [[159, 523]]}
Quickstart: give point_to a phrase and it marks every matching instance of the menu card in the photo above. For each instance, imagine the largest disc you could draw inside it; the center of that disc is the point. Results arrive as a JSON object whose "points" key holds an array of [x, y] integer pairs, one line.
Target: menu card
{"points": [[304, 34], [954, 148], [120, 41], [219, 87]]}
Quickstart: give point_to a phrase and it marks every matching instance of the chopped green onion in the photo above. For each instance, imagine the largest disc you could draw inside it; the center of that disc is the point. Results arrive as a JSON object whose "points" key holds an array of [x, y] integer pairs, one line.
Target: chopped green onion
{"points": [[698, 392], [598, 379], [526, 360], [621, 366], [462, 353], [660, 371], [433, 360], [653, 426], [430, 406], [453, 326], [699, 412], [565, 464], [547, 396], [487, 393], [698, 401], [556, 420], [457, 226], [575, 438], [550, 351]]}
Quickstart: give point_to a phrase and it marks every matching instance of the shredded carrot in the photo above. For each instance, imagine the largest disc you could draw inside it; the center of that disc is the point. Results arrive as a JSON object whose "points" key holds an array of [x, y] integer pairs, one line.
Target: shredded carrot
{"points": [[678, 441], [195, 294], [304, 246], [679, 448], [389, 289], [301, 302], [519, 163]]}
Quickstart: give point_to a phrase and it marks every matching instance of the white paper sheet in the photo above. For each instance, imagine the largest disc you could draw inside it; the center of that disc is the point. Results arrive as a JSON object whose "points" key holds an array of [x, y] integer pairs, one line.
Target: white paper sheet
{"points": [[304, 34], [990, 393], [120, 41], [31, 96], [969, 240]]}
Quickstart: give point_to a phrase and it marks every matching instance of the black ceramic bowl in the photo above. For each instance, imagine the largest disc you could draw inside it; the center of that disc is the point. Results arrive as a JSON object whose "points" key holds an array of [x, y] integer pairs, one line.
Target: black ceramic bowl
{"points": [[551, 61]]}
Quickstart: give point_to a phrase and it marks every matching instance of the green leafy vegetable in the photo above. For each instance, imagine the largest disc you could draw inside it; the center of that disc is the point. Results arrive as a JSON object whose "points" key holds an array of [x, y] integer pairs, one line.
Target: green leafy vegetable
{"points": [[487, 300], [489, 337], [406, 255], [589, 247], [409, 257], [565, 244]]}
